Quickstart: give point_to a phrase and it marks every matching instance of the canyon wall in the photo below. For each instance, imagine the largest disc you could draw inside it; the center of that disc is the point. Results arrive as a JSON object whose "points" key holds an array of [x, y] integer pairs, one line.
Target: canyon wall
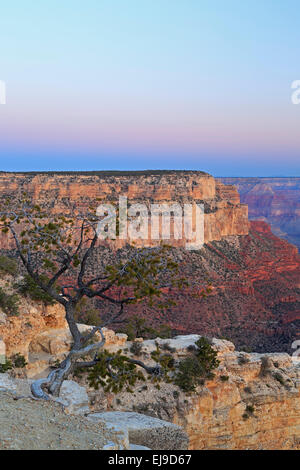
{"points": [[224, 214], [275, 200], [255, 276]]}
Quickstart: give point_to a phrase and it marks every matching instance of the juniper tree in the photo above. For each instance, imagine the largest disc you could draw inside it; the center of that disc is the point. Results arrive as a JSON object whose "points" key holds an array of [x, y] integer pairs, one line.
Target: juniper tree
{"points": [[55, 248]]}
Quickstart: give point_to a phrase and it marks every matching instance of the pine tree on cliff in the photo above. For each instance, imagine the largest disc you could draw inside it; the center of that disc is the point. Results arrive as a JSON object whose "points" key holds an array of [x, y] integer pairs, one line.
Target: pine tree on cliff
{"points": [[55, 249]]}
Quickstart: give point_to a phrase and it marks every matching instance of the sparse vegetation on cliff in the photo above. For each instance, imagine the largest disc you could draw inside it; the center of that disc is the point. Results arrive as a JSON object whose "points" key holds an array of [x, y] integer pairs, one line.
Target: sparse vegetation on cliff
{"points": [[54, 249], [9, 303]]}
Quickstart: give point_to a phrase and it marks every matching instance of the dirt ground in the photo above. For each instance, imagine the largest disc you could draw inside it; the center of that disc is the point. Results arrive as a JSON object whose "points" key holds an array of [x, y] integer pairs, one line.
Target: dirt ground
{"points": [[28, 424]]}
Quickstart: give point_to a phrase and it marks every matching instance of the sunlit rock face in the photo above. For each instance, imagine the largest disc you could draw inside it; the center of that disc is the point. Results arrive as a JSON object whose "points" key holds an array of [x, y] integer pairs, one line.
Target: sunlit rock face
{"points": [[224, 214], [254, 274], [275, 200]]}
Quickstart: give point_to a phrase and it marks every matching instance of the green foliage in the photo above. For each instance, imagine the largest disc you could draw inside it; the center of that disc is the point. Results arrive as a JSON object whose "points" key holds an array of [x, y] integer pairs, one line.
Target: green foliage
{"points": [[113, 372], [194, 369], [243, 360], [224, 378], [15, 361], [9, 303], [136, 348], [144, 273], [277, 376], [30, 288], [86, 313], [6, 366], [137, 327], [18, 361], [8, 265], [250, 409]]}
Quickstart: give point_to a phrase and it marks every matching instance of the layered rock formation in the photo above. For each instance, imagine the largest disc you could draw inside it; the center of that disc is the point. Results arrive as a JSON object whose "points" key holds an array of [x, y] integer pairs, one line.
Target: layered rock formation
{"points": [[275, 200], [255, 275], [253, 402], [224, 214]]}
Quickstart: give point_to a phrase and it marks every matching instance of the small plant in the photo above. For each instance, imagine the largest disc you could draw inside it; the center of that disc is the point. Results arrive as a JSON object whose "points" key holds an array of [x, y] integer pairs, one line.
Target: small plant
{"points": [[245, 416], [137, 327], [175, 394], [248, 390], [6, 366], [18, 361], [168, 347], [194, 369], [243, 360], [29, 288], [279, 378], [136, 348], [224, 378], [9, 303], [8, 265], [250, 409]]}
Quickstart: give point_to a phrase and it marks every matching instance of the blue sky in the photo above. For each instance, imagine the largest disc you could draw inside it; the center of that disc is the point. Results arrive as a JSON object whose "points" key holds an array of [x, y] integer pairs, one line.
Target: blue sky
{"points": [[127, 84]]}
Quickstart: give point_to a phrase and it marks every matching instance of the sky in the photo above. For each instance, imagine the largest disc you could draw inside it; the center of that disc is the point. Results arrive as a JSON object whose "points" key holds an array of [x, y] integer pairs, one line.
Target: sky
{"points": [[150, 84]]}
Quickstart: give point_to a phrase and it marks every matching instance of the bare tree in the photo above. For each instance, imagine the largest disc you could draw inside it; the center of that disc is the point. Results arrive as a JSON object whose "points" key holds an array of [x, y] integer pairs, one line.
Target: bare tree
{"points": [[56, 248]]}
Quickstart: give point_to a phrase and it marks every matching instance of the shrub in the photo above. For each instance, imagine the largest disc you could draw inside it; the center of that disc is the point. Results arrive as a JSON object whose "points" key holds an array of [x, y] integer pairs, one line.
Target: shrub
{"points": [[29, 287], [87, 313], [9, 303], [137, 327], [250, 409], [224, 378], [243, 360], [6, 366], [194, 369], [19, 361], [8, 265], [279, 378], [136, 348]]}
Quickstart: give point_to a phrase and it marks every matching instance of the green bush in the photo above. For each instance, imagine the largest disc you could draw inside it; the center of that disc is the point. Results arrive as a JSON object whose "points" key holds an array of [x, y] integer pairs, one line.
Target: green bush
{"points": [[9, 303], [136, 348], [224, 378], [29, 288], [87, 313], [5, 367], [137, 327], [18, 361], [8, 265], [194, 369]]}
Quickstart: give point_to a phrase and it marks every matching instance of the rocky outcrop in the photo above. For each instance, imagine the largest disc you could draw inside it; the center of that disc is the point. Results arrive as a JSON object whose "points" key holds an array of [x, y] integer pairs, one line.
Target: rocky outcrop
{"points": [[255, 275], [253, 402], [275, 200], [224, 214], [144, 430]]}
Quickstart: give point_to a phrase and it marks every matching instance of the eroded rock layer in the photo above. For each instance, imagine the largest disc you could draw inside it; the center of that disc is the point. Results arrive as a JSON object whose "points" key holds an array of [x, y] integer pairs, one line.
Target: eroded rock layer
{"points": [[224, 214]]}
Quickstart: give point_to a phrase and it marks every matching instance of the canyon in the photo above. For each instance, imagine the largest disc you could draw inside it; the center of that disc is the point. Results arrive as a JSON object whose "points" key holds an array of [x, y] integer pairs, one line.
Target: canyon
{"points": [[274, 200], [255, 275]]}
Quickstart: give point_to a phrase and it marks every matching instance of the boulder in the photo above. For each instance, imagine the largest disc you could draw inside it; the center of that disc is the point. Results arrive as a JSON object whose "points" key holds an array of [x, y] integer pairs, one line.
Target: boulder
{"points": [[144, 430], [74, 398]]}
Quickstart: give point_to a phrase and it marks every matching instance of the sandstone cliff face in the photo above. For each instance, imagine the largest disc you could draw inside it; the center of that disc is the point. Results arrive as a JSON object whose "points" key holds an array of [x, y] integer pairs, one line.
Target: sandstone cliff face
{"points": [[18, 332], [253, 402], [225, 215], [255, 298], [255, 275], [275, 200]]}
